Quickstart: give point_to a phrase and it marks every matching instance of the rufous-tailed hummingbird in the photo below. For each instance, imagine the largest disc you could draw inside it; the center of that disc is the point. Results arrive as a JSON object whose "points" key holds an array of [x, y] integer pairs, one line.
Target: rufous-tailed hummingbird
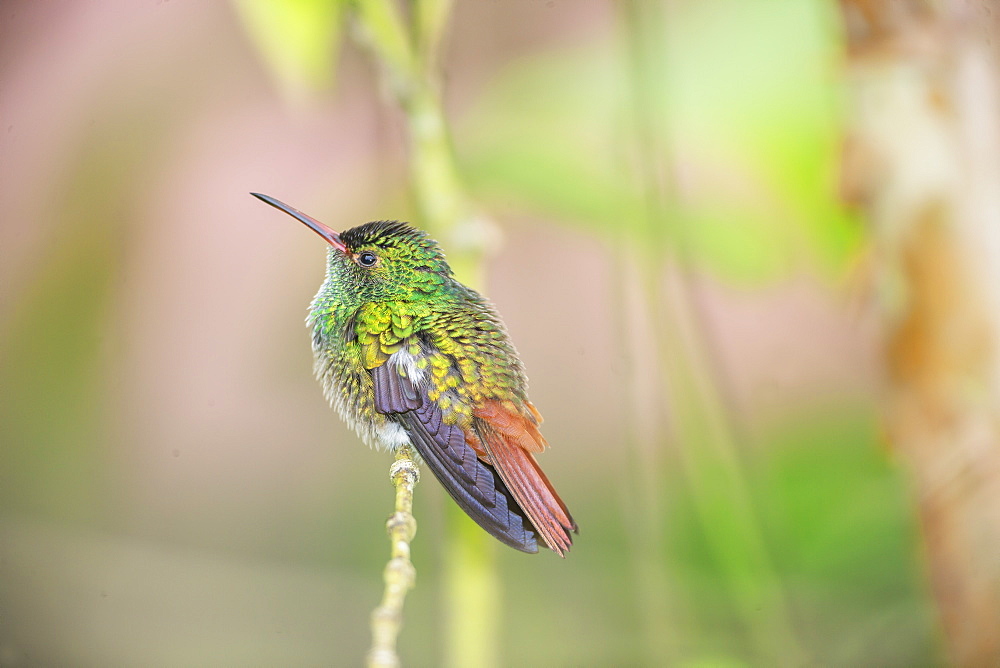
{"points": [[407, 354]]}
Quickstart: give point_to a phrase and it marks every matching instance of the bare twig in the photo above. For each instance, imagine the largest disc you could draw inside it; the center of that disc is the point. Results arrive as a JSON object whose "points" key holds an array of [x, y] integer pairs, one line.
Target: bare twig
{"points": [[399, 574]]}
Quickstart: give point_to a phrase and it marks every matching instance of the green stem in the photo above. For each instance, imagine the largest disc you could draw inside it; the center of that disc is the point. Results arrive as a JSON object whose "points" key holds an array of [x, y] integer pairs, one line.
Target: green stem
{"points": [[473, 594], [644, 504], [407, 54], [702, 428]]}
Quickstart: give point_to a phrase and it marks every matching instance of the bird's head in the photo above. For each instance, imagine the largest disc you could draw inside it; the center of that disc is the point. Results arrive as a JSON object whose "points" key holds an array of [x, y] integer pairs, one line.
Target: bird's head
{"points": [[378, 261]]}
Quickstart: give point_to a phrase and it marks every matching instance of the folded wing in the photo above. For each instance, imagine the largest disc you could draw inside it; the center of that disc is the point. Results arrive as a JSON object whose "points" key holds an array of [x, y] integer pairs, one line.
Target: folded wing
{"points": [[474, 485]]}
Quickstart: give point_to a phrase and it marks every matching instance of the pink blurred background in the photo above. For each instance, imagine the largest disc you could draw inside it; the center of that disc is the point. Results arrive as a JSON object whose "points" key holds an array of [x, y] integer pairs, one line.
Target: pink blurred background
{"points": [[173, 488]]}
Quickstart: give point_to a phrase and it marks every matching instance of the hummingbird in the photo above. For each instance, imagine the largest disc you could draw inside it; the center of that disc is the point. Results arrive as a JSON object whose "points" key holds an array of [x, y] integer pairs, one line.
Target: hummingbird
{"points": [[408, 355]]}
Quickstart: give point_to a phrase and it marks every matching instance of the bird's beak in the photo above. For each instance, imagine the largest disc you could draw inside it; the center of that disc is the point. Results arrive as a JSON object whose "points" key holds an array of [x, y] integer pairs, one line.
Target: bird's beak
{"points": [[319, 228]]}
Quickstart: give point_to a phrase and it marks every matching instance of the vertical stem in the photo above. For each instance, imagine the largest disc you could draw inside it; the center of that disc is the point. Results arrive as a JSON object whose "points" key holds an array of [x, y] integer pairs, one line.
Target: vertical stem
{"points": [[441, 200], [399, 574], [637, 262], [644, 509], [710, 459], [473, 594], [472, 586], [407, 54], [701, 426]]}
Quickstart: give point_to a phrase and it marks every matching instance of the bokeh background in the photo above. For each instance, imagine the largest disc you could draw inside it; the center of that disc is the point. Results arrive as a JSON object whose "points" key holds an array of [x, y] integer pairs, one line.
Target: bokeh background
{"points": [[652, 196]]}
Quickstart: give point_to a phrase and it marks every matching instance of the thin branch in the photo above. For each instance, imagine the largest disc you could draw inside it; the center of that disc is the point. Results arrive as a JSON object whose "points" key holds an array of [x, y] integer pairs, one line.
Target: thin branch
{"points": [[400, 576]]}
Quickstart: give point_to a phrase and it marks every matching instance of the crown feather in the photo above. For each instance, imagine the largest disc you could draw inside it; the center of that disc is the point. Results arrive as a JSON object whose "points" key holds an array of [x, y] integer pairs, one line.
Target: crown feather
{"points": [[385, 233]]}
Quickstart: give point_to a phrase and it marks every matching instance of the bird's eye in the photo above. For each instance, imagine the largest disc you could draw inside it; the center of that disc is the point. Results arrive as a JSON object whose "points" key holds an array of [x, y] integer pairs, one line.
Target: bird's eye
{"points": [[367, 259]]}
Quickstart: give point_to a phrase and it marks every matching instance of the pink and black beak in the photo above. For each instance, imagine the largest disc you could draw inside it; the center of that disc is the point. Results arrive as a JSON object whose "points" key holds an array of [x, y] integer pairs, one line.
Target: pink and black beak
{"points": [[319, 228]]}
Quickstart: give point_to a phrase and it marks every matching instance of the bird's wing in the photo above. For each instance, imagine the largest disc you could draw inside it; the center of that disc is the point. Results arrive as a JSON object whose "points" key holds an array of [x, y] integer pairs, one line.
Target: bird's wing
{"points": [[474, 484], [509, 439]]}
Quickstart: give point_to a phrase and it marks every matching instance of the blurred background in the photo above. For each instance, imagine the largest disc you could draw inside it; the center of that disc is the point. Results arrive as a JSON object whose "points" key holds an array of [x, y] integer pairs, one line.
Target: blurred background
{"points": [[697, 220]]}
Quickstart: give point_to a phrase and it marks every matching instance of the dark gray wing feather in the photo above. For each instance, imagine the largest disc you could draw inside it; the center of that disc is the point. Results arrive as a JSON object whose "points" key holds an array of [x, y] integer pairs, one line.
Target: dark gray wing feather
{"points": [[474, 485]]}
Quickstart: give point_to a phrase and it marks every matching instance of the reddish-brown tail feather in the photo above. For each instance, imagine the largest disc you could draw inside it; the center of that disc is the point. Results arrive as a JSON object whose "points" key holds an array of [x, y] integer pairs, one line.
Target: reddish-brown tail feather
{"points": [[509, 439]]}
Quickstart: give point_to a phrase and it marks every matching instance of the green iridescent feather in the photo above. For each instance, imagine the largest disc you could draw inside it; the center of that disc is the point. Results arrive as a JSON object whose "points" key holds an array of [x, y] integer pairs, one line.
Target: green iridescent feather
{"points": [[409, 302]]}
